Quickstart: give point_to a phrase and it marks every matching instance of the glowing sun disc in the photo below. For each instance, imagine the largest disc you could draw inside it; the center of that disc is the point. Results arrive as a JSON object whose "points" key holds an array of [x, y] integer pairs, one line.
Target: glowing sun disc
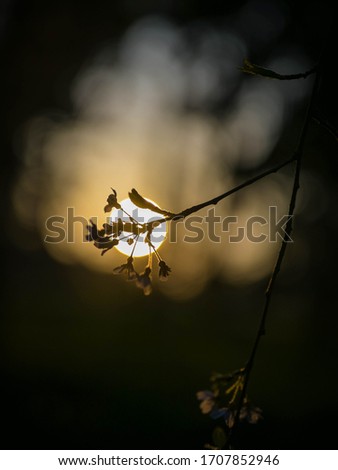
{"points": [[142, 216]]}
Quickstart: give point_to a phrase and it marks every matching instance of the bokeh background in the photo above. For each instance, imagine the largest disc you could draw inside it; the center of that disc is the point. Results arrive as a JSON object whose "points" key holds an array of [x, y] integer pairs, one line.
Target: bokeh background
{"points": [[149, 95]]}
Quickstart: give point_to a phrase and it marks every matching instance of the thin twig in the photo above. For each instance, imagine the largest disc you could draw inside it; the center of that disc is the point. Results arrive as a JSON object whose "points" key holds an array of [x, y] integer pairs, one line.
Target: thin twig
{"points": [[288, 229], [215, 200], [326, 125], [254, 69]]}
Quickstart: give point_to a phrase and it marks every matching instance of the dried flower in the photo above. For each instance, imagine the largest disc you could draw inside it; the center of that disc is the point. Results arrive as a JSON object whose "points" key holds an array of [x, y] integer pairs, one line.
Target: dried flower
{"points": [[143, 281], [251, 413], [128, 267], [143, 203], [209, 406], [207, 399], [164, 271], [106, 244], [112, 202], [129, 231], [101, 242], [223, 400], [92, 234]]}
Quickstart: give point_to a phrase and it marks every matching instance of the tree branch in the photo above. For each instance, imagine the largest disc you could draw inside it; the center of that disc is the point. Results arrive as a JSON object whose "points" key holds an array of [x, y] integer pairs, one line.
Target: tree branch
{"points": [[326, 125], [253, 69], [288, 229], [215, 200]]}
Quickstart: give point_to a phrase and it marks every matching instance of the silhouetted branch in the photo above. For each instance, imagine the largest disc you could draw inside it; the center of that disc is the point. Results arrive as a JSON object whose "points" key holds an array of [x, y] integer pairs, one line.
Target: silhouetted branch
{"points": [[217, 199], [326, 125], [281, 254], [253, 69]]}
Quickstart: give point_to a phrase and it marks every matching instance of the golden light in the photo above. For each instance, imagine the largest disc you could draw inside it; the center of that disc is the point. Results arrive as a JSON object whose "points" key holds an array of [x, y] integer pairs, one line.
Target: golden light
{"points": [[129, 122], [142, 216]]}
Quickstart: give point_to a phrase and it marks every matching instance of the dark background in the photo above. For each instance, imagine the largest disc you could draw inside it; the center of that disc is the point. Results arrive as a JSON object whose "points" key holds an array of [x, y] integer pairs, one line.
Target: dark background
{"points": [[87, 366]]}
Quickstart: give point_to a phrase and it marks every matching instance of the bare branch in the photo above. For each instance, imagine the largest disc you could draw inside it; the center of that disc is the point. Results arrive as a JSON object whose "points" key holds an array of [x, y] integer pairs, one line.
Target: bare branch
{"points": [[253, 69], [281, 254], [219, 198], [326, 125]]}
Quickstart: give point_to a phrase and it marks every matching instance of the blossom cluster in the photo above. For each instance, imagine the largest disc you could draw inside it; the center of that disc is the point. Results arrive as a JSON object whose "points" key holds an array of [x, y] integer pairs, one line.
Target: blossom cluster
{"points": [[113, 232], [222, 401]]}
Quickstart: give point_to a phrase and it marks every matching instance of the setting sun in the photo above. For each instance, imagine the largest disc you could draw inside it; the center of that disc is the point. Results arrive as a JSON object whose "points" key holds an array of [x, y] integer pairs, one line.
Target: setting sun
{"points": [[142, 216]]}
